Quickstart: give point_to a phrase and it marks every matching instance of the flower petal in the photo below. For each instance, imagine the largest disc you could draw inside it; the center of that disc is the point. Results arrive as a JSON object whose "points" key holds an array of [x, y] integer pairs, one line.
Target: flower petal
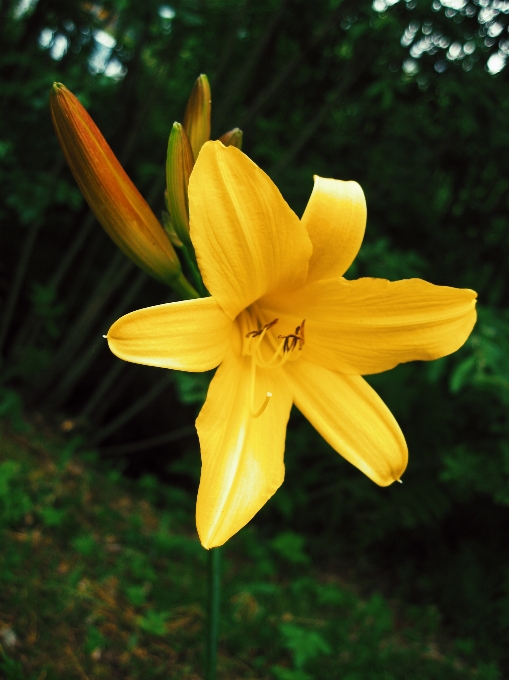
{"points": [[247, 239], [352, 418], [242, 456], [335, 219], [193, 335], [371, 325]]}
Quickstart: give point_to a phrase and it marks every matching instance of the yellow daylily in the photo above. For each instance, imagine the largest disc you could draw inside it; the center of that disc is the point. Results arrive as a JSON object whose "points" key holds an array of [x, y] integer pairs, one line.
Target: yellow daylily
{"points": [[284, 327]]}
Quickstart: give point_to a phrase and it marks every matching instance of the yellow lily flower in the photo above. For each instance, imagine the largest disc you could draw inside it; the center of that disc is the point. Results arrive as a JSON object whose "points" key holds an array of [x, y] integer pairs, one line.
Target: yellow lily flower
{"points": [[285, 327]]}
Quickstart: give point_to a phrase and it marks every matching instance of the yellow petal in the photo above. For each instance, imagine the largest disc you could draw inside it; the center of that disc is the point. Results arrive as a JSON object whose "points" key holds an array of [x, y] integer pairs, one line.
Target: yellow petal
{"points": [[352, 418], [247, 239], [192, 335], [335, 219], [242, 456], [371, 325], [113, 198], [197, 115]]}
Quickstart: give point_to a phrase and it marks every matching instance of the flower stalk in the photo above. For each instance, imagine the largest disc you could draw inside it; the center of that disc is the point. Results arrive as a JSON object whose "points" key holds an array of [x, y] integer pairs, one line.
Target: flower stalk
{"points": [[214, 569]]}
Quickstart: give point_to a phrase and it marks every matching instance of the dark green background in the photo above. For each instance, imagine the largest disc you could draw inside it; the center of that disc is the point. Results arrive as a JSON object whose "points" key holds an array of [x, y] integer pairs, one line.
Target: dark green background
{"points": [[318, 87]]}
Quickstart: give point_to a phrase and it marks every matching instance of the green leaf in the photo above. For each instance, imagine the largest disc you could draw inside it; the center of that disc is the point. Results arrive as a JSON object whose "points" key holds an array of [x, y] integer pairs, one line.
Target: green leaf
{"points": [[290, 546], [461, 373], [153, 622]]}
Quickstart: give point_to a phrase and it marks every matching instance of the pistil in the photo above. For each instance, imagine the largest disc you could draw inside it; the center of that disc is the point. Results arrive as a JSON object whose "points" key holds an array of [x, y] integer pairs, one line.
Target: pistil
{"points": [[252, 348]]}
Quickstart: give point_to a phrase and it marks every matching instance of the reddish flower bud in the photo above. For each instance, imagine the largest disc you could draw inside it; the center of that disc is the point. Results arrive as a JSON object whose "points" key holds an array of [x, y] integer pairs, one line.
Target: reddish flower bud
{"points": [[113, 198]]}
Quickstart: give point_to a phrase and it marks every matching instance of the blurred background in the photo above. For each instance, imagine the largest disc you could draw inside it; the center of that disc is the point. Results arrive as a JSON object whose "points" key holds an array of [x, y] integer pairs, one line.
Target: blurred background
{"points": [[410, 98]]}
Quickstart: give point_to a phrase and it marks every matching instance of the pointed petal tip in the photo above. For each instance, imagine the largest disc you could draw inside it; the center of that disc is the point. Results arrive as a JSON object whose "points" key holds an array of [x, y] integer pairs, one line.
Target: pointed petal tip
{"points": [[395, 467], [190, 335], [209, 542], [242, 457], [352, 419], [393, 477]]}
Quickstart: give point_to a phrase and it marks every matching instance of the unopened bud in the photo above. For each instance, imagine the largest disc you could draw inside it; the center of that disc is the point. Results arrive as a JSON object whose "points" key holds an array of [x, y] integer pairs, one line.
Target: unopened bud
{"points": [[170, 230], [232, 138], [179, 165], [197, 115], [113, 198]]}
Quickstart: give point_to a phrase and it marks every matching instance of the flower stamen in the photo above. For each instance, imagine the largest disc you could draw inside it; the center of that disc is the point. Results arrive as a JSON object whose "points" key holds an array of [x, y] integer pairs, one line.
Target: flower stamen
{"points": [[291, 340], [260, 334], [253, 348], [253, 334]]}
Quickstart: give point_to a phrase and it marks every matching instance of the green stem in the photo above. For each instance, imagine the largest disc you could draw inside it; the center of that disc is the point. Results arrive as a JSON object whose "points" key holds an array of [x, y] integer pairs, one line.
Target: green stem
{"points": [[214, 557], [193, 268], [182, 286]]}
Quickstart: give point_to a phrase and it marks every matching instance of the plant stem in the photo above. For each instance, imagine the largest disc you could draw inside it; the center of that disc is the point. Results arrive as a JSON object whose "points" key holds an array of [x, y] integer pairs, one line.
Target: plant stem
{"points": [[214, 557], [195, 272]]}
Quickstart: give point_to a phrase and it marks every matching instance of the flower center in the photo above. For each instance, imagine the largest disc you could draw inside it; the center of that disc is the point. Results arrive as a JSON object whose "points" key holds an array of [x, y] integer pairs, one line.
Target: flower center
{"points": [[252, 346]]}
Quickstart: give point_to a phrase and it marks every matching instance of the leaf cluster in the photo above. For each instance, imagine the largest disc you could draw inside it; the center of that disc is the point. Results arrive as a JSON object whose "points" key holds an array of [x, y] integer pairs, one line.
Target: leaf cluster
{"points": [[99, 580]]}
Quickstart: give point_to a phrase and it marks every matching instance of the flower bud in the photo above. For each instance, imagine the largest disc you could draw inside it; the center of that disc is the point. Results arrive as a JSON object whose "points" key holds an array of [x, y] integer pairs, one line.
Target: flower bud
{"points": [[197, 115], [170, 230], [179, 165], [111, 195], [232, 138]]}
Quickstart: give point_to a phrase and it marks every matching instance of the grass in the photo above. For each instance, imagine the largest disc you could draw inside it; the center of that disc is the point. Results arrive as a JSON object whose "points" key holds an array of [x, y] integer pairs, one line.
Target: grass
{"points": [[102, 577]]}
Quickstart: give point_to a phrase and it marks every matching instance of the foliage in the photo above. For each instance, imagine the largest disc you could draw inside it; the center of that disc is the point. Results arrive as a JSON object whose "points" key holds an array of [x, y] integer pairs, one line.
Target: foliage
{"points": [[98, 580]]}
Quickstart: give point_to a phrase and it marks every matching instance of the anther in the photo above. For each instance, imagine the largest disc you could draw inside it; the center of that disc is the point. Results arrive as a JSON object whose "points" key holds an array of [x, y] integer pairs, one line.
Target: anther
{"points": [[253, 334], [291, 340]]}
